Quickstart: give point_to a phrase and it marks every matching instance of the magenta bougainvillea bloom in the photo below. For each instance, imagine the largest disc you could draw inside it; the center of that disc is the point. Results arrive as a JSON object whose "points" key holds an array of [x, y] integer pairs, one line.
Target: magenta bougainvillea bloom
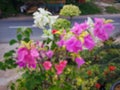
{"points": [[79, 61], [73, 45], [47, 65], [27, 57], [88, 42], [101, 29], [60, 43], [60, 67], [63, 63], [34, 53], [79, 28], [49, 54]]}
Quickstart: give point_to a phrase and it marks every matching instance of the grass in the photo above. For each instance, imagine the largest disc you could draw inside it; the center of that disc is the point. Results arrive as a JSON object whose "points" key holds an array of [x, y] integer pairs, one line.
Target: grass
{"points": [[111, 10], [89, 8]]}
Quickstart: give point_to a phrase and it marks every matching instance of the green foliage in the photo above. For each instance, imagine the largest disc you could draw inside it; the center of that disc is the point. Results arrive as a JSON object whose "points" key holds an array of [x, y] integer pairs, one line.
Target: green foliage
{"points": [[13, 41], [101, 58], [23, 34], [89, 8], [70, 10], [9, 62], [61, 24], [7, 8], [111, 9]]}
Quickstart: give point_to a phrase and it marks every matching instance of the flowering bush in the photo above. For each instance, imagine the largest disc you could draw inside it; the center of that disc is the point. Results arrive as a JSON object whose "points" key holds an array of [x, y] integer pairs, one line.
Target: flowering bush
{"points": [[61, 24], [51, 64], [70, 10]]}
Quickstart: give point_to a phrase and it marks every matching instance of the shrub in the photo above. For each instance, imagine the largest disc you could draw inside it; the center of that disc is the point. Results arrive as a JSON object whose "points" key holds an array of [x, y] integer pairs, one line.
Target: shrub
{"points": [[51, 64], [89, 8], [70, 10], [61, 24], [111, 9]]}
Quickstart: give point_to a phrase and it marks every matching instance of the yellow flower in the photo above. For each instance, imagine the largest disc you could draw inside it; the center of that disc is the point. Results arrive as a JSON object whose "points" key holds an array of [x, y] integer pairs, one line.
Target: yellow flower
{"points": [[54, 79], [27, 45], [68, 71], [108, 21], [75, 55], [79, 81], [81, 39], [58, 32], [82, 35]]}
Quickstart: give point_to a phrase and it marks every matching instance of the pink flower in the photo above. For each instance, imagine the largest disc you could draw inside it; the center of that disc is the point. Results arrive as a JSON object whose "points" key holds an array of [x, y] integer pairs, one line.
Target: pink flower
{"points": [[47, 65], [60, 43], [79, 61], [78, 28], [22, 52], [30, 61], [84, 26], [49, 53], [73, 45], [63, 63], [60, 67], [34, 53], [27, 58], [100, 33], [102, 30], [88, 42]]}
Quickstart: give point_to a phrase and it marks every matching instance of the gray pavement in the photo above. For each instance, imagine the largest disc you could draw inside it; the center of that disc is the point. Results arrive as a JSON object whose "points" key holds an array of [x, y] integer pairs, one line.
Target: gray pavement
{"points": [[6, 34], [6, 76]]}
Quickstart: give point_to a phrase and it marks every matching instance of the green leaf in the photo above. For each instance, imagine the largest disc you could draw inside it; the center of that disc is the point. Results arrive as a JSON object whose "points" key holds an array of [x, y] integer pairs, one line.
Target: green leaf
{"points": [[7, 55], [19, 37], [2, 66], [30, 84], [29, 30], [12, 42], [53, 45], [12, 86], [10, 61], [26, 74], [26, 39], [27, 34], [48, 40], [19, 30]]}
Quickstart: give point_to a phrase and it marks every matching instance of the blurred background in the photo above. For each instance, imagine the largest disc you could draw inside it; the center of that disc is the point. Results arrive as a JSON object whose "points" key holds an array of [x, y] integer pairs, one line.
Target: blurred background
{"points": [[27, 7]]}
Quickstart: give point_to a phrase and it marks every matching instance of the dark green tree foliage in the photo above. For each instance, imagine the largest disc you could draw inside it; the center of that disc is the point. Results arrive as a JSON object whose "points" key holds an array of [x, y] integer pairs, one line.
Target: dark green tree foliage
{"points": [[9, 7]]}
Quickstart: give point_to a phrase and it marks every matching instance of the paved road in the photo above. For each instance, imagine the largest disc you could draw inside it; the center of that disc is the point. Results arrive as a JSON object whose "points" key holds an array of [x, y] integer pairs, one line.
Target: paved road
{"points": [[8, 26]]}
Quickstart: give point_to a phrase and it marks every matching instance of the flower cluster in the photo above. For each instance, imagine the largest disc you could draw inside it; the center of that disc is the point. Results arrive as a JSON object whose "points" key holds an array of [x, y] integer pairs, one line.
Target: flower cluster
{"points": [[27, 56], [43, 18], [51, 64], [78, 38]]}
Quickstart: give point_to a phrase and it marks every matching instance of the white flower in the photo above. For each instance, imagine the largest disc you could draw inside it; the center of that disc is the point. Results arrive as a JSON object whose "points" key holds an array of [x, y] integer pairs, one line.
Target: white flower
{"points": [[44, 12], [52, 20], [43, 18]]}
